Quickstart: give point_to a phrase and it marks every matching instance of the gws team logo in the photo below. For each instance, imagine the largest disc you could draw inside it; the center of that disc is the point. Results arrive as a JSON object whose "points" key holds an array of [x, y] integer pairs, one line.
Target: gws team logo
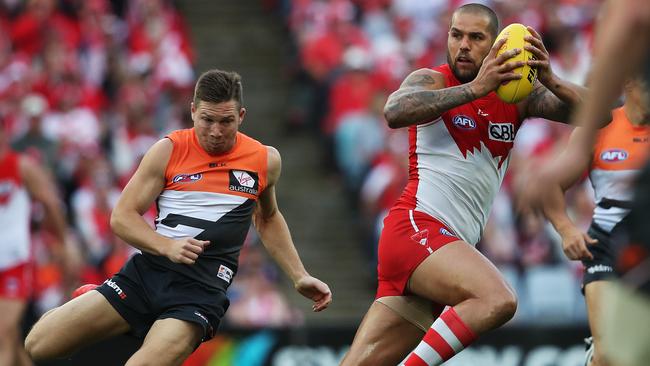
{"points": [[614, 155], [225, 273], [464, 122], [187, 178], [244, 181], [504, 132]]}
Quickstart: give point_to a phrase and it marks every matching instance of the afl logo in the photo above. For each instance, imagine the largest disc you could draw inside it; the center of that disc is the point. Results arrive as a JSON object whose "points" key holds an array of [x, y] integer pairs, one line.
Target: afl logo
{"points": [[614, 155], [187, 178], [464, 122]]}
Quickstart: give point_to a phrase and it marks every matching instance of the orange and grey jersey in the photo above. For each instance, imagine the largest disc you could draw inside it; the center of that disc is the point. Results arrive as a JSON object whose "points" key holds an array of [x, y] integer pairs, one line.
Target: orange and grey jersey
{"points": [[210, 198], [620, 151]]}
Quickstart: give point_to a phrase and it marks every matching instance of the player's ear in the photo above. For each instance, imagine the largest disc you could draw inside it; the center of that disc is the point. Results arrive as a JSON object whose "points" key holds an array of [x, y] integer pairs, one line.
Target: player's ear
{"points": [[242, 113]]}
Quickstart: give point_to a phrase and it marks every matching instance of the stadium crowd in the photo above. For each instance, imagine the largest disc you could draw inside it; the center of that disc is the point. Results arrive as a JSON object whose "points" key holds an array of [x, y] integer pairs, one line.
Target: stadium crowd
{"points": [[86, 87], [351, 54]]}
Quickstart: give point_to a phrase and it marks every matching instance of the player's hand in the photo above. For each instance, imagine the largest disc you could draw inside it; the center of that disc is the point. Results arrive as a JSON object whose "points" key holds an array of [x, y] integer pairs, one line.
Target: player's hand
{"points": [[185, 250], [495, 70], [574, 243], [316, 290], [543, 60]]}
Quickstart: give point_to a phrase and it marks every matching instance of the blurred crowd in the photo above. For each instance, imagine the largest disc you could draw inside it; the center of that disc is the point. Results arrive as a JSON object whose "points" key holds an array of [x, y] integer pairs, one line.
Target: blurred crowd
{"points": [[351, 54], [86, 87]]}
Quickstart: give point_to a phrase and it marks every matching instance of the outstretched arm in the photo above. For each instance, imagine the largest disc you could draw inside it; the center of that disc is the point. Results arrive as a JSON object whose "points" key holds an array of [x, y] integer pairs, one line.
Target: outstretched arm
{"points": [[275, 236], [574, 241], [424, 96]]}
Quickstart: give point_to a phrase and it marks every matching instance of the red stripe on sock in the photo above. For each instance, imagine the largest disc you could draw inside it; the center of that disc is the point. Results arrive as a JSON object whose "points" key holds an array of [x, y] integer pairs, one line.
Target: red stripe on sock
{"points": [[415, 360], [465, 335], [435, 340]]}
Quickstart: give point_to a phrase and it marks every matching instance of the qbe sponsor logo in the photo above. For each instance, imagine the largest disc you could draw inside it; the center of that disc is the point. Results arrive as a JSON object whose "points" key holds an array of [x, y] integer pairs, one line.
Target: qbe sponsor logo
{"points": [[244, 181], [225, 273], [464, 122], [504, 132], [614, 155], [117, 289]]}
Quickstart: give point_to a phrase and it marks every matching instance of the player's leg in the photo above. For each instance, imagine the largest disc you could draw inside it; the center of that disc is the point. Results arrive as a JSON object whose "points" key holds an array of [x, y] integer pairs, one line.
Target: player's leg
{"points": [[593, 294], [383, 338], [459, 276], [10, 338], [169, 342], [79, 322]]}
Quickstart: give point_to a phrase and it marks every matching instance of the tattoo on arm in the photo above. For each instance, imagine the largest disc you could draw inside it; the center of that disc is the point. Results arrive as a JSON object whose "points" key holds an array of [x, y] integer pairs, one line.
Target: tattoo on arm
{"points": [[543, 103], [416, 101]]}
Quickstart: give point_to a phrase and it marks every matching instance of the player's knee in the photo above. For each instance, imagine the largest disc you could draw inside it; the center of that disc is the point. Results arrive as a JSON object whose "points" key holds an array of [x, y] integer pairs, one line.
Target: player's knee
{"points": [[38, 345], [33, 346], [502, 305]]}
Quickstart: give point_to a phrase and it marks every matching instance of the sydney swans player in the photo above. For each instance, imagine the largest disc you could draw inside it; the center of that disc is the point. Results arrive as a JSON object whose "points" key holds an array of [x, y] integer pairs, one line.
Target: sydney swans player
{"points": [[460, 136]]}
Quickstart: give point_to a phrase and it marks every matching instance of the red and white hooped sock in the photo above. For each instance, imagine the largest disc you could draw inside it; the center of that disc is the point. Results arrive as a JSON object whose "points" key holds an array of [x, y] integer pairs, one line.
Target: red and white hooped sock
{"points": [[447, 336]]}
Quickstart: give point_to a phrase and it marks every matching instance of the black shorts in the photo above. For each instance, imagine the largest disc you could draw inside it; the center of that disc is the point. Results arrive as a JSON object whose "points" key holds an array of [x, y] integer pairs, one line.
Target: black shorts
{"points": [[602, 266], [142, 294]]}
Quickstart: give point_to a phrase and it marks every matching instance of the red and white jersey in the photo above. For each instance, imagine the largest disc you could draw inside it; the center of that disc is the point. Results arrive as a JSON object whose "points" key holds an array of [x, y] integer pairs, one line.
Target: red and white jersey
{"points": [[14, 213], [210, 198], [457, 162], [621, 150]]}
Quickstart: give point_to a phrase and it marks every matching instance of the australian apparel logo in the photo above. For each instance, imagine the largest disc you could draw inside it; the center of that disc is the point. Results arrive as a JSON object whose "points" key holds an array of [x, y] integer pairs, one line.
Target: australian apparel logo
{"points": [[244, 181]]}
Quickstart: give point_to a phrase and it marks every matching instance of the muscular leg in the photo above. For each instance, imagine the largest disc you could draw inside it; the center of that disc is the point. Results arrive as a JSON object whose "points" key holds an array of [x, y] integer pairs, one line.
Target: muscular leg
{"points": [[383, 338], [459, 276], [79, 322], [169, 342], [593, 294], [11, 350]]}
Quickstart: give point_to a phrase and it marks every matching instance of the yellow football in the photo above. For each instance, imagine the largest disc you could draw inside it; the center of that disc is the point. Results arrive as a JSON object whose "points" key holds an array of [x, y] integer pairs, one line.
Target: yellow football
{"points": [[515, 91]]}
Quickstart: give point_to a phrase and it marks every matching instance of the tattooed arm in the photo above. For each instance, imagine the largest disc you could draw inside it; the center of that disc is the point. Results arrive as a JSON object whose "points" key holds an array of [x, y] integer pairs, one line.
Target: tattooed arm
{"points": [[555, 102], [552, 98], [423, 96]]}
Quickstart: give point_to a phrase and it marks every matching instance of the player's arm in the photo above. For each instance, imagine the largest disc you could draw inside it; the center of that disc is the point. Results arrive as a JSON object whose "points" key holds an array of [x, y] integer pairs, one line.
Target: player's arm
{"points": [[574, 240], [42, 189], [552, 98], [423, 95], [137, 197], [275, 236]]}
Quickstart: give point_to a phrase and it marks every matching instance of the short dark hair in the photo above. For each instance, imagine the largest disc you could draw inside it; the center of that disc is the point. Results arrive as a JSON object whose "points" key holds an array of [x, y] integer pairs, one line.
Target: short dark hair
{"points": [[218, 86], [474, 8]]}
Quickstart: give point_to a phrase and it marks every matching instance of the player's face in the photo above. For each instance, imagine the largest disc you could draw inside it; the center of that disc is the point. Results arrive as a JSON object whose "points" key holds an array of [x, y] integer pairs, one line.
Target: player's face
{"points": [[216, 124], [468, 43], [637, 92]]}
